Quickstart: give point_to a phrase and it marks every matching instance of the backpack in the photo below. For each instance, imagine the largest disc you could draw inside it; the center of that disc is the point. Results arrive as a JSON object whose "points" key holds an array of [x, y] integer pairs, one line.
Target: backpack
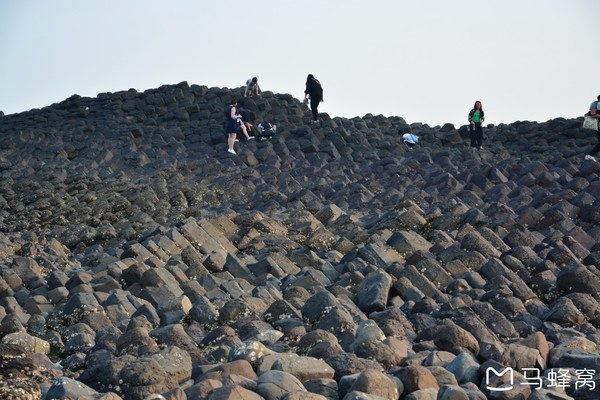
{"points": [[227, 111]]}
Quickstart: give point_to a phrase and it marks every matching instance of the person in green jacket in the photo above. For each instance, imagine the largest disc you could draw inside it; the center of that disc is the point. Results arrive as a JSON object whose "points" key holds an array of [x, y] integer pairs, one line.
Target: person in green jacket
{"points": [[476, 118]]}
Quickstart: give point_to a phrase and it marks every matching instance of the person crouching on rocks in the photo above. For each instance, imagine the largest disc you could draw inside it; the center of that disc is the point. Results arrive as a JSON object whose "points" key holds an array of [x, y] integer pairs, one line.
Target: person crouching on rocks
{"points": [[246, 121], [231, 125], [410, 139], [476, 118], [266, 131], [252, 88]]}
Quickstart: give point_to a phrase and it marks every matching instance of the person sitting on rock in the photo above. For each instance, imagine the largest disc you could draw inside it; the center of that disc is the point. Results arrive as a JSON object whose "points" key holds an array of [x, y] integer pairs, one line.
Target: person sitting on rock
{"points": [[410, 140], [266, 130], [252, 88]]}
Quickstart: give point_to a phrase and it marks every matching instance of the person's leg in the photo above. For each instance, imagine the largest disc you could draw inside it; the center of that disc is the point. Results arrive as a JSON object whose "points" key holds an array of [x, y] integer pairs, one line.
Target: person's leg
{"points": [[479, 131], [596, 148], [244, 131], [314, 105], [473, 135], [231, 140], [252, 131]]}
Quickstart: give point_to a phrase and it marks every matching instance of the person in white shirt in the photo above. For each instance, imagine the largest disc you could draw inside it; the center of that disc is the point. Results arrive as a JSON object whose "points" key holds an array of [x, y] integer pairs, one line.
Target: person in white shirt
{"points": [[410, 140]]}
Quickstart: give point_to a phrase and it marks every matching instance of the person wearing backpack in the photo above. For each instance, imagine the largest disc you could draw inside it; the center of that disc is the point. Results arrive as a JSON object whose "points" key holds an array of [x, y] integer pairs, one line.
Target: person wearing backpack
{"points": [[231, 125], [266, 131], [594, 113], [476, 118], [314, 92], [252, 88]]}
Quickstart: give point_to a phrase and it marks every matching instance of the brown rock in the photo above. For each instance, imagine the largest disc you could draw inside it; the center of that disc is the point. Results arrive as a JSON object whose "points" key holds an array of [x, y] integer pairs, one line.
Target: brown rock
{"points": [[451, 337], [233, 393], [416, 378], [376, 383]]}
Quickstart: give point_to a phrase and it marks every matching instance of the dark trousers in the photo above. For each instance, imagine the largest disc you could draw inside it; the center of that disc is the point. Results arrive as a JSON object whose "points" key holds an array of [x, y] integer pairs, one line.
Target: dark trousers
{"points": [[476, 134], [314, 105], [596, 148]]}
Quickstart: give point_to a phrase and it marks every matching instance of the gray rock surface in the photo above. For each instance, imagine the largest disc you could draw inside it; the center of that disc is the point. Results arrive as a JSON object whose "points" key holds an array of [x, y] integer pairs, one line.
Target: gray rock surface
{"points": [[138, 258]]}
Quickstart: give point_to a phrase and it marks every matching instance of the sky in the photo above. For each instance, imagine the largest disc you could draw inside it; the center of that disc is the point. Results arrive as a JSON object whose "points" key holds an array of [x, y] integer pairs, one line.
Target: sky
{"points": [[426, 61]]}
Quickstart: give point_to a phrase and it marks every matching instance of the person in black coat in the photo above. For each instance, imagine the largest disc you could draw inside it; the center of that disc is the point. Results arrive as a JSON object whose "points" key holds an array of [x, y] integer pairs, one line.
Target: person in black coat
{"points": [[314, 92]]}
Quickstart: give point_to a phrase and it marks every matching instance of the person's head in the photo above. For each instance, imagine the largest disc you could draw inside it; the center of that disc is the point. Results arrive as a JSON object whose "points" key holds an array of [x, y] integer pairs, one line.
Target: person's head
{"points": [[309, 77], [254, 80], [477, 105], [599, 97], [233, 102]]}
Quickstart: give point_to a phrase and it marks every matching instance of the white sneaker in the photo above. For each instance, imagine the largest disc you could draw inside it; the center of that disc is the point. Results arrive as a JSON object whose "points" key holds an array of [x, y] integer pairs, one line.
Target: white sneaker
{"points": [[232, 152], [251, 137], [591, 158]]}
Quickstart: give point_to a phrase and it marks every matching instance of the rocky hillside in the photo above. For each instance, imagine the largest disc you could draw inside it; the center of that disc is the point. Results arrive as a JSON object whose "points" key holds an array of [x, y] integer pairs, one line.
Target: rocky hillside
{"points": [[139, 258]]}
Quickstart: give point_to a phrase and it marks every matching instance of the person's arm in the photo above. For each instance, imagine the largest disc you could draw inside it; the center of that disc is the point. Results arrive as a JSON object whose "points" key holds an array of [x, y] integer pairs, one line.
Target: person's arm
{"points": [[308, 90], [234, 114], [470, 117]]}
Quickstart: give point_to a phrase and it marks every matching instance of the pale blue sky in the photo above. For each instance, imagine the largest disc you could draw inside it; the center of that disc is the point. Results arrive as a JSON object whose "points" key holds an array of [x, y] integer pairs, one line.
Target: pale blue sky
{"points": [[426, 61]]}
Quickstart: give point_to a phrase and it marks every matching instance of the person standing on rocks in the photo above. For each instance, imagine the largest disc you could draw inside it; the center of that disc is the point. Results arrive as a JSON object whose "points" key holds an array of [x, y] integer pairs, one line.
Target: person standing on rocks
{"points": [[595, 113], [314, 92], [252, 88], [231, 126], [476, 118]]}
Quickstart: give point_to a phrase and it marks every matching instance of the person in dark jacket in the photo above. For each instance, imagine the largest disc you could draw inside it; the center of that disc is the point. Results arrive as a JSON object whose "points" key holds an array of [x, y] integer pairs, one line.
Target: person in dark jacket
{"points": [[231, 125], [476, 118], [247, 120], [594, 113], [314, 92]]}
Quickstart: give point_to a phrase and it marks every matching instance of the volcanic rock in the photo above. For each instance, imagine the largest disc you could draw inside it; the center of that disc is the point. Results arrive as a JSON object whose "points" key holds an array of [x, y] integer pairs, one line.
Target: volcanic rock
{"points": [[139, 259]]}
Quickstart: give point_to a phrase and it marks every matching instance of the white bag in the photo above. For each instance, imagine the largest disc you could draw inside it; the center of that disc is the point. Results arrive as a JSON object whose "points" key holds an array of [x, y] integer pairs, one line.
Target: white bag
{"points": [[590, 123]]}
